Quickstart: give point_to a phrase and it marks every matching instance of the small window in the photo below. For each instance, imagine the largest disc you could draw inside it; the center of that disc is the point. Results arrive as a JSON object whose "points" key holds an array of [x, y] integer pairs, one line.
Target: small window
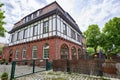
{"points": [[34, 14], [34, 52], [29, 17], [45, 27], [35, 30], [64, 29], [46, 51], [17, 53], [26, 19], [24, 53]]}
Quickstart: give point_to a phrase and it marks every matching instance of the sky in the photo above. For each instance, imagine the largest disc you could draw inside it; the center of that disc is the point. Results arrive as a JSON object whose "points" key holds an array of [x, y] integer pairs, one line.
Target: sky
{"points": [[84, 12]]}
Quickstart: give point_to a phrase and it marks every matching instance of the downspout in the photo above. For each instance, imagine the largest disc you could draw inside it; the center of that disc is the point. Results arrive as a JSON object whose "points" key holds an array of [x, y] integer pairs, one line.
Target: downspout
{"points": [[56, 36]]}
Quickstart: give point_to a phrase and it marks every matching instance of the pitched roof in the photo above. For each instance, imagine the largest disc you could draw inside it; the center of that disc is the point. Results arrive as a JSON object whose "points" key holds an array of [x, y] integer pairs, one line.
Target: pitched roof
{"points": [[50, 9]]}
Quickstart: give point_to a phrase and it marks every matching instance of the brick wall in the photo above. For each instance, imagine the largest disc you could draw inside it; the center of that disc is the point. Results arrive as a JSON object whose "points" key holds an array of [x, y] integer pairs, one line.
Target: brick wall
{"points": [[54, 50]]}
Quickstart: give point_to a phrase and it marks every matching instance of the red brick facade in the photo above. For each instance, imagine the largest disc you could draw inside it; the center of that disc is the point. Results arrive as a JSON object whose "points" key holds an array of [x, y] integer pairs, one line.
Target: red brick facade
{"points": [[54, 50]]}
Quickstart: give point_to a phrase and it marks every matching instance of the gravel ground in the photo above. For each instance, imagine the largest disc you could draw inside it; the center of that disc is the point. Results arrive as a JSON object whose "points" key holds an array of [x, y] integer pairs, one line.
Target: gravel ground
{"points": [[5, 68]]}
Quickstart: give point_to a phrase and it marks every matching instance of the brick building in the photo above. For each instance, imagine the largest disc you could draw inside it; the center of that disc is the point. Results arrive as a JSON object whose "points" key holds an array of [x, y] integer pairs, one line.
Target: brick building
{"points": [[48, 33]]}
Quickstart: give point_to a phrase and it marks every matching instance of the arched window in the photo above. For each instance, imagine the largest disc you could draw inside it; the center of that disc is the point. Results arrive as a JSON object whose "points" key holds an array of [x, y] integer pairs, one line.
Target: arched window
{"points": [[34, 52], [17, 53], [79, 53], [46, 51], [64, 51], [24, 53], [73, 50]]}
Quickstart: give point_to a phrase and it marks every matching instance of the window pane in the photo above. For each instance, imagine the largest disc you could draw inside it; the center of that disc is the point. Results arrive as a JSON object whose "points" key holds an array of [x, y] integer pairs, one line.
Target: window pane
{"points": [[25, 33], [46, 51], [12, 36], [34, 52], [45, 27], [73, 35], [64, 29], [35, 30], [17, 53], [24, 53]]}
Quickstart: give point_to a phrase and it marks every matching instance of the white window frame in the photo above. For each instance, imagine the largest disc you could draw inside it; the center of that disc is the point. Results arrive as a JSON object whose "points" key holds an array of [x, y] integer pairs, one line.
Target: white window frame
{"points": [[17, 54], [64, 29], [25, 33], [33, 49], [24, 52], [46, 27], [48, 47], [35, 30]]}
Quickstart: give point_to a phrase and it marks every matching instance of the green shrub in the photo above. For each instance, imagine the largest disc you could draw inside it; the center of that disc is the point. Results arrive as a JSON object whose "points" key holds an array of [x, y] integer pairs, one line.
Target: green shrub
{"points": [[4, 76]]}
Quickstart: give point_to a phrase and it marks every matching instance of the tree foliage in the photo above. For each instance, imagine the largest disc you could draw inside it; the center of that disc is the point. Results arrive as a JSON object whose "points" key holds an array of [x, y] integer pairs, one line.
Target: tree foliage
{"points": [[2, 29], [90, 50], [92, 35], [111, 35]]}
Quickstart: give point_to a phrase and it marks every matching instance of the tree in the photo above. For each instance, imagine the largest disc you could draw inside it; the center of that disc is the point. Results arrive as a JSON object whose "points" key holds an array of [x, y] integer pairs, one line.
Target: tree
{"points": [[92, 35], [2, 29], [90, 50], [111, 36]]}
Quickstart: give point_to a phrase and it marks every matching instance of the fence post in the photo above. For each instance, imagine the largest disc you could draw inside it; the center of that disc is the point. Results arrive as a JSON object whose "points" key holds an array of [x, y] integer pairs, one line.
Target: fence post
{"points": [[33, 66], [100, 73], [13, 70], [68, 66], [47, 65]]}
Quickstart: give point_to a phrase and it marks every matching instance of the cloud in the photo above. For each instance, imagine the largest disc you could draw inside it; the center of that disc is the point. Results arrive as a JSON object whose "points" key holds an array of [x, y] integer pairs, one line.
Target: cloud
{"points": [[84, 12]]}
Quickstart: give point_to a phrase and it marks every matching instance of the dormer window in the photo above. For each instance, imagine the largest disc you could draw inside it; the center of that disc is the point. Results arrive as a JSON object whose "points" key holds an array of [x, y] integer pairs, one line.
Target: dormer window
{"points": [[26, 19], [29, 17], [34, 14]]}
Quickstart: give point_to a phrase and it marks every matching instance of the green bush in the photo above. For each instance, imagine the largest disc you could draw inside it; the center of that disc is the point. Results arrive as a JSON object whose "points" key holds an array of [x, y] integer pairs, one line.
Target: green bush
{"points": [[4, 76]]}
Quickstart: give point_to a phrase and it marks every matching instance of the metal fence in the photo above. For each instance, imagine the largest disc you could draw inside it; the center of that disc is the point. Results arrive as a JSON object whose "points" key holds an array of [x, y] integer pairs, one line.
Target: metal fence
{"points": [[89, 66], [26, 67]]}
